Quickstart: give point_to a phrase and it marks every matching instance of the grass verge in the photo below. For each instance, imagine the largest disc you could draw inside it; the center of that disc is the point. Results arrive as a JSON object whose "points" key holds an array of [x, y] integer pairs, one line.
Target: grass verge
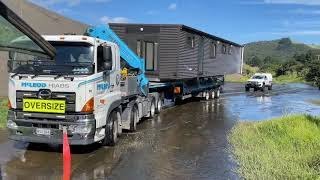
{"points": [[282, 148], [3, 112], [236, 78], [292, 78]]}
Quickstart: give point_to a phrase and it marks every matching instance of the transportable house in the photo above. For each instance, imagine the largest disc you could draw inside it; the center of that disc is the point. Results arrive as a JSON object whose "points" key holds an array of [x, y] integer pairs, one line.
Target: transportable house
{"points": [[174, 52]]}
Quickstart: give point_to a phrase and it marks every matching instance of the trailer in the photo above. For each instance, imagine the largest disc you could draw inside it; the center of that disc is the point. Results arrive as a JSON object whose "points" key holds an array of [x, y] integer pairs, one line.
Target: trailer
{"points": [[93, 85]]}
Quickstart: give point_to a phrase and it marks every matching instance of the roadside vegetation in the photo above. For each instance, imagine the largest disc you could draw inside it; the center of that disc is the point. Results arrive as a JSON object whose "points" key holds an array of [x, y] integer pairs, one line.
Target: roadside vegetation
{"points": [[287, 61], [3, 112], [281, 148]]}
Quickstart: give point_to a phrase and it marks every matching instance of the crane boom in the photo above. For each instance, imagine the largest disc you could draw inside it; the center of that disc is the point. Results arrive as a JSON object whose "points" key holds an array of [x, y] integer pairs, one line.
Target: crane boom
{"points": [[105, 33]]}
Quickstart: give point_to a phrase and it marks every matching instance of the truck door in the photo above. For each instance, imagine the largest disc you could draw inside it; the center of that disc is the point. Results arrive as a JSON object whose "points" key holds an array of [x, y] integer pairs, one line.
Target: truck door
{"points": [[16, 35]]}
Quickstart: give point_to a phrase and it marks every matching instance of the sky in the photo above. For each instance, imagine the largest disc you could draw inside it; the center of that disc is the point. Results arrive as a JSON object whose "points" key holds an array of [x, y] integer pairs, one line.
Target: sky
{"points": [[241, 21]]}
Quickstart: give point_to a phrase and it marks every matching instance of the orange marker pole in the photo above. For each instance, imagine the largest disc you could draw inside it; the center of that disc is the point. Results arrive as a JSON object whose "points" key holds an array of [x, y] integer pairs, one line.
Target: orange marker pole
{"points": [[66, 156]]}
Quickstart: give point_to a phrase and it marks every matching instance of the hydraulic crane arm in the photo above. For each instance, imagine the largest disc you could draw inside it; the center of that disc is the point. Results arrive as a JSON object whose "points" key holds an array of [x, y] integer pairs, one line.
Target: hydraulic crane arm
{"points": [[105, 33]]}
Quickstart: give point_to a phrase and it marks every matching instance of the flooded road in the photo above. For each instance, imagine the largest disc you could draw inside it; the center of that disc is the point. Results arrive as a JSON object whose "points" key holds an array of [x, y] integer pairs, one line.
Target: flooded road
{"points": [[184, 142]]}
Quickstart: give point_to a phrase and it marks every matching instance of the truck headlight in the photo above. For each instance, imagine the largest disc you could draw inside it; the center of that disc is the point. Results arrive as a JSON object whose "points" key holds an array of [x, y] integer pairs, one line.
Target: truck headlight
{"points": [[80, 129], [12, 125]]}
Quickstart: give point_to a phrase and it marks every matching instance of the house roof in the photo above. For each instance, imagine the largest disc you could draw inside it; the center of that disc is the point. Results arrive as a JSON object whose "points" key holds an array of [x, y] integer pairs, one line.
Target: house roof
{"points": [[183, 27]]}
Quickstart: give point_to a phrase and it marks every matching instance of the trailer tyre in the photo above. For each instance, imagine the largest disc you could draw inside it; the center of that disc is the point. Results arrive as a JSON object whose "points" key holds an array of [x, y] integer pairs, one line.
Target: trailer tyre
{"points": [[217, 94], [133, 119], [111, 130], [212, 94], [207, 96], [152, 109]]}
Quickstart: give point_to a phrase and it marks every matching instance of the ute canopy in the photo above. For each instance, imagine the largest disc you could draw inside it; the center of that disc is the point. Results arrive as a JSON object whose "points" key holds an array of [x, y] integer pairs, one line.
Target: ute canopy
{"points": [[16, 35]]}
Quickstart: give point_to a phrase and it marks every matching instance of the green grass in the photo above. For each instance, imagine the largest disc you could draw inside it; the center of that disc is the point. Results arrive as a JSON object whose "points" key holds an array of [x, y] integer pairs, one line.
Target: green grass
{"points": [[3, 112], [291, 78], [236, 78], [282, 148]]}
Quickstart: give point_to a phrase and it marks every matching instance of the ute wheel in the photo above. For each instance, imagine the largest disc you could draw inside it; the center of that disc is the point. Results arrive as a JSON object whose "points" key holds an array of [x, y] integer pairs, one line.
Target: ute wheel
{"points": [[159, 106], [134, 119], [217, 93], [111, 130], [152, 109], [247, 89]]}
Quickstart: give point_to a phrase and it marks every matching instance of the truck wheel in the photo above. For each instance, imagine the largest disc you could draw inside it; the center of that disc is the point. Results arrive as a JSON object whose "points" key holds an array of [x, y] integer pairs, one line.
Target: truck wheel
{"points": [[247, 89], [133, 119], [159, 106], [206, 96], [212, 94], [217, 93], [152, 109], [111, 130]]}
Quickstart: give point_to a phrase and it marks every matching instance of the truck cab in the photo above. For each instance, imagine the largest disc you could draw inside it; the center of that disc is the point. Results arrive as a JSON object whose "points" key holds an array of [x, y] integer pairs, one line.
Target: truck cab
{"points": [[76, 90]]}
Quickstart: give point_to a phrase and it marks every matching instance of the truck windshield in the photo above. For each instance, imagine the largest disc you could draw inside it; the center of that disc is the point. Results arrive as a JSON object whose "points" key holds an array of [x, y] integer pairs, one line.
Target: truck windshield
{"points": [[71, 59]]}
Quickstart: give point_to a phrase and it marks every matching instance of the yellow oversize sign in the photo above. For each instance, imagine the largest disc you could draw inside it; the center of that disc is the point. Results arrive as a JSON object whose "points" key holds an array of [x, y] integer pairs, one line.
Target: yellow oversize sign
{"points": [[46, 106]]}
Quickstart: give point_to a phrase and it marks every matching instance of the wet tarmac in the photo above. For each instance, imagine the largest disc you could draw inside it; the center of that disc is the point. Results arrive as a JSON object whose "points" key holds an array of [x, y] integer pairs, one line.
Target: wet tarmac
{"points": [[184, 142]]}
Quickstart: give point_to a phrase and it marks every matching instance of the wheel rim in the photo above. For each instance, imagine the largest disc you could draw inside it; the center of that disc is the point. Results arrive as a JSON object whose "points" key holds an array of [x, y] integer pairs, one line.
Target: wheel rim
{"points": [[135, 119], [115, 130], [152, 109], [212, 95], [218, 93]]}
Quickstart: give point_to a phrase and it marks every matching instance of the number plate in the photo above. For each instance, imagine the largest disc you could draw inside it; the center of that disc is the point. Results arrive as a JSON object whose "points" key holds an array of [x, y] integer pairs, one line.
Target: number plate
{"points": [[46, 106], [41, 131]]}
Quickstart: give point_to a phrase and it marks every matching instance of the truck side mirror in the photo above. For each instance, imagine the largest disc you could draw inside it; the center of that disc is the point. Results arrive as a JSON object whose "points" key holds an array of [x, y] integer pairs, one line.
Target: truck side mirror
{"points": [[104, 58]]}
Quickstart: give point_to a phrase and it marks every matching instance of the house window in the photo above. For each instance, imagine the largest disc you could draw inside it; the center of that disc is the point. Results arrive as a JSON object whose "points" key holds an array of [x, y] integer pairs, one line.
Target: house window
{"points": [[191, 41], [224, 49], [139, 47], [230, 49], [213, 50], [151, 56]]}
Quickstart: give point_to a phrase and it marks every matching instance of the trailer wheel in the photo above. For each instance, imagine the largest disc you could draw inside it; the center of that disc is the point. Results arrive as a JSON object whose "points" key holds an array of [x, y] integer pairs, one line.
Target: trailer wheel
{"points": [[111, 130], [159, 106], [206, 96], [212, 95], [133, 119], [152, 109], [217, 93]]}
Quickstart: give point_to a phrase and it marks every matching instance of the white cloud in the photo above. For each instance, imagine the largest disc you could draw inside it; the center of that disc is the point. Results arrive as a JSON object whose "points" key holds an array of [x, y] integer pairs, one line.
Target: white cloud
{"points": [[107, 19], [297, 33], [297, 2], [152, 12], [172, 6], [305, 12]]}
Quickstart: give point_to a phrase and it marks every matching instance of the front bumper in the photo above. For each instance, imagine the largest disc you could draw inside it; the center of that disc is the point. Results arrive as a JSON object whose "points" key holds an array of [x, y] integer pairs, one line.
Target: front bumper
{"points": [[253, 85], [25, 128]]}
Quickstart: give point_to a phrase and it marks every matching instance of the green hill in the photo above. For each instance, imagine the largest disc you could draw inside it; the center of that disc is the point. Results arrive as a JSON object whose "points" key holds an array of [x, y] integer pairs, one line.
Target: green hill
{"points": [[281, 49]]}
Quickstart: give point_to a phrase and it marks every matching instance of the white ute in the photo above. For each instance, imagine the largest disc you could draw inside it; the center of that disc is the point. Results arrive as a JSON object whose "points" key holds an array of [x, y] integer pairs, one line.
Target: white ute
{"points": [[259, 81]]}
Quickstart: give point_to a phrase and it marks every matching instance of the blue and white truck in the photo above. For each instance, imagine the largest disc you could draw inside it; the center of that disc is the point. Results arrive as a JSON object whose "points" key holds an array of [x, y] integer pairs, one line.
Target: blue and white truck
{"points": [[93, 85]]}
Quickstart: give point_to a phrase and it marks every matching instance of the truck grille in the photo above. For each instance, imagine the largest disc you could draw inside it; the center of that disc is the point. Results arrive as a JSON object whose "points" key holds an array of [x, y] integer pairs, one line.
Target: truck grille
{"points": [[70, 99]]}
